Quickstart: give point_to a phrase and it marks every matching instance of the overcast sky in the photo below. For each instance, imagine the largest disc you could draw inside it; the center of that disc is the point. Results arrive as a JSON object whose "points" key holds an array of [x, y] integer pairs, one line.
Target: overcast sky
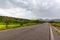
{"points": [[30, 9]]}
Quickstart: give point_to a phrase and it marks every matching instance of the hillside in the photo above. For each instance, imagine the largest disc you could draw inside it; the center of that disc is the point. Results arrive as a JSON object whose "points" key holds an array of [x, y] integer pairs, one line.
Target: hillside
{"points": [[7, 19], [11, 22]]}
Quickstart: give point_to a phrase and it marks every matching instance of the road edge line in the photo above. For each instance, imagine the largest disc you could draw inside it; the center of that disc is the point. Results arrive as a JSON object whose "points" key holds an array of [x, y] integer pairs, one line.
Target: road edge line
{"points": [[51, 34]]}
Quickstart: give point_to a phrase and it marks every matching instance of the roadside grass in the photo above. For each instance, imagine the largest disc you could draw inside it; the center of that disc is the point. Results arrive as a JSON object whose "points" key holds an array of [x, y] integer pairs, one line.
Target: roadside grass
{"points": [[9, 26], [28, 24], [57, 26], [58, 32], [12, 22], [14, 25], [2, 27]]}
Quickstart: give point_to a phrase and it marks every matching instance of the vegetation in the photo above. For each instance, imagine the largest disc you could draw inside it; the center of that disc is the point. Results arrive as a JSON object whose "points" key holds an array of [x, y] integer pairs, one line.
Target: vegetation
{"points": [[57, 26], [10, 22], [54, 23]]}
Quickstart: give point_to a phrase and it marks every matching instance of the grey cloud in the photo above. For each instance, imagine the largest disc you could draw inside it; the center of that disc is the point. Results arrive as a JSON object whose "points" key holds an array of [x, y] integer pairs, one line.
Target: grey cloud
{"points": [[39, 8]]}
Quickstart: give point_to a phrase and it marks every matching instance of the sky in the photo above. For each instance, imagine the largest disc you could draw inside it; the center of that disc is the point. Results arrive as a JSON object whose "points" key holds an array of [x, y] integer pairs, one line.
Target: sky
{"points": [[31, 9]]}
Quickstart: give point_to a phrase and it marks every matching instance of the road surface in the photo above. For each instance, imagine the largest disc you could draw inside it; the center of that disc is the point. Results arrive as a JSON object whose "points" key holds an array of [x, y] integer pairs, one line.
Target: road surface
{"points": [[36, 32]]}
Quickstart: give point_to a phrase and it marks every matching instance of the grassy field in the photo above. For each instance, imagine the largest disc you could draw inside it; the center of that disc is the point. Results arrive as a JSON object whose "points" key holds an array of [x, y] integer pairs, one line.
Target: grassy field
{"points": [[57, 27], [9, 26], [56, 24], [11, 22], [2, 27], [14, 25]]}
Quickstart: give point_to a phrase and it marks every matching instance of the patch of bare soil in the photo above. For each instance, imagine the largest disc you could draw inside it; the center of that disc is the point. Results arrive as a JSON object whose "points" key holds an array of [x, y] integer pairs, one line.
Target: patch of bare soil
{"points": [[58, 28]]}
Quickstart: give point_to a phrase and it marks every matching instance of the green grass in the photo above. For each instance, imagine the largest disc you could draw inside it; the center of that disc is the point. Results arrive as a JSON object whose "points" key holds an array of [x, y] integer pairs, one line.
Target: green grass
{"points": [[14, 25], [11, 25], [28, 24], [58, 32], [2, 27], [11, 22], [2, 23], [56, 24]]}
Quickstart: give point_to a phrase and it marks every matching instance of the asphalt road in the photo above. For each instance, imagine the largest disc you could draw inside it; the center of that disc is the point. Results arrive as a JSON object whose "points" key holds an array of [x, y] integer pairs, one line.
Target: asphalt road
{"points": [[36, 32]]}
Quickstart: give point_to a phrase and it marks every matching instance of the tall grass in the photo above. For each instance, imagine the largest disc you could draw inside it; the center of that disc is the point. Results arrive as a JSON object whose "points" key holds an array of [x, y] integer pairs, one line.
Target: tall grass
{"points": [[56, 24], [2, 27], [10, 25], [14, 25]]}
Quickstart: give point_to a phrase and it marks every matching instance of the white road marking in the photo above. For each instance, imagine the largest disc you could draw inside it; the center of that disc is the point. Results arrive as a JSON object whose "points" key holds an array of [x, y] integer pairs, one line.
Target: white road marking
{"points": [[51, 34]]}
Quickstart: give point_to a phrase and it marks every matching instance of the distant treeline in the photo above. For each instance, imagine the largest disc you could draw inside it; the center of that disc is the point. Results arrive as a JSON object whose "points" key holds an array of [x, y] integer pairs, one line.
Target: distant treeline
{"points": [[52, 21]]}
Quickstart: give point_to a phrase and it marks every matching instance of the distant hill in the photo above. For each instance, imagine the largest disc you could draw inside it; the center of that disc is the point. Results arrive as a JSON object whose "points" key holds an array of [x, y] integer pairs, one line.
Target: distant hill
{"points": [[56, 20], [47, 20], [11, 19]]}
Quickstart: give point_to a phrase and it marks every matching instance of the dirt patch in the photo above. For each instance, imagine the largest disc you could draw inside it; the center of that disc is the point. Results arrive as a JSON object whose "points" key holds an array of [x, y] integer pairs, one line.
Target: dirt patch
{"points": [[58, 28]]}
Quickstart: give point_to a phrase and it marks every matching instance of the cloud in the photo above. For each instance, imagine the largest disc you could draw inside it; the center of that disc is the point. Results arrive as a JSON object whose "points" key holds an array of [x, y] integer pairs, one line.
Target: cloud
{"points": [[31, 9], [17, 12]]}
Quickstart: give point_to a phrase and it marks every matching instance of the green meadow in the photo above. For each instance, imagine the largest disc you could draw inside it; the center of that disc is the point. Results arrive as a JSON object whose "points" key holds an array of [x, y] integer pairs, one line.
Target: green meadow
{"points": [[56, 24], [14, 25], [9, 26], [11, 22]]}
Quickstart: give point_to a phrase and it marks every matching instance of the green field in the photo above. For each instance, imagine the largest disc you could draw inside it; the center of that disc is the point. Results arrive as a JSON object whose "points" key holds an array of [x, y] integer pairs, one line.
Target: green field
{"points": [[14, 25], [9, 26], [11, 22], [56, 24]]}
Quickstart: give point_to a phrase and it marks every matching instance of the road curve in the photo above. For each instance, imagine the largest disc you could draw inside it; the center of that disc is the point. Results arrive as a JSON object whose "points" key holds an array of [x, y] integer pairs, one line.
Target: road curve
{"points": [[36, 32]]}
